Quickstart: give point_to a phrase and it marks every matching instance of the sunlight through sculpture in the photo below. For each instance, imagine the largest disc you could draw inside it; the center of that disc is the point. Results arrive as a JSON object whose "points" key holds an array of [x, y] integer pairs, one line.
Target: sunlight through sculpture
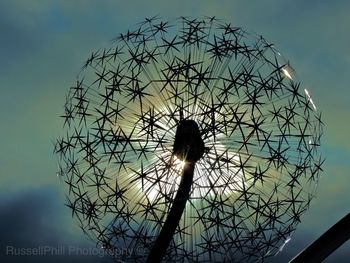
{"points": [[189, 141]]}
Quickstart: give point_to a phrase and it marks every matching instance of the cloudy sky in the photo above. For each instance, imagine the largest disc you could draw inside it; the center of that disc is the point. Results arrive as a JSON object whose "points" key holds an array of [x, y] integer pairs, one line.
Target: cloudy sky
{"points": [[43, 45]]}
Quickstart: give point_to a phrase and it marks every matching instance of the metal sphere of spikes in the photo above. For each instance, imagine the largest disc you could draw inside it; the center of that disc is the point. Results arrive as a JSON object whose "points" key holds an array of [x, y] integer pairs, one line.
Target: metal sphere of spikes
{"points": [[189, 141]]}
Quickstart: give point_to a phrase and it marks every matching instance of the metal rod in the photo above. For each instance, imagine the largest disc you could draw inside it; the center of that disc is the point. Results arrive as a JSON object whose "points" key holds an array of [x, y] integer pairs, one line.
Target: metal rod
{"points": [[166, 234], [326, 244]]}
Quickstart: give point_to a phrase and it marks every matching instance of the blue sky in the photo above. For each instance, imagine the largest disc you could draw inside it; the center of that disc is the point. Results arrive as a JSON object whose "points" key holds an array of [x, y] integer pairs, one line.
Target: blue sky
{"points": [[43, 45]]}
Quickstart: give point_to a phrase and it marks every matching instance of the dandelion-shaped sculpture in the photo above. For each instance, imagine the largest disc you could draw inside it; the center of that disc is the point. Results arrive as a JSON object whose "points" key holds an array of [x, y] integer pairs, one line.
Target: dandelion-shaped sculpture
{"points": [[190, 141]]}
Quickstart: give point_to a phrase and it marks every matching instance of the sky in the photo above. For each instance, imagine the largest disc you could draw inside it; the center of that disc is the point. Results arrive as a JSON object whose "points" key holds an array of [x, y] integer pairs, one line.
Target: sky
{"points": [[43, 45]]}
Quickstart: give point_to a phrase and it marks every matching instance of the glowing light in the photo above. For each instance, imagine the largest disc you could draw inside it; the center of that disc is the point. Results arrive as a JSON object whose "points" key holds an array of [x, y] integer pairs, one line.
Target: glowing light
{"points": [[286, 73], [202, 179], [228, 181], [285, 243], [310, 99], [178, 163]]}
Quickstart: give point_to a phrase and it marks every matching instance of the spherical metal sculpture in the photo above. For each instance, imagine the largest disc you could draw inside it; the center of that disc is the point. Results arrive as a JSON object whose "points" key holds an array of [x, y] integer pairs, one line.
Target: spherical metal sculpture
{"points": [[195, 93]]}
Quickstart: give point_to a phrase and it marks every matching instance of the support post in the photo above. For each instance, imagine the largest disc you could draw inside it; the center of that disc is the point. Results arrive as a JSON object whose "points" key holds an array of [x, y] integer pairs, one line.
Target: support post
{"points": [[326, 244], [166, 234]]}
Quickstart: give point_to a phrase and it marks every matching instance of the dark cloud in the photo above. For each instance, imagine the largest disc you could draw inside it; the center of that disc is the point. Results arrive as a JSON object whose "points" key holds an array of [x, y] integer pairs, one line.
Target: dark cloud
{"points": [[37, 220]]}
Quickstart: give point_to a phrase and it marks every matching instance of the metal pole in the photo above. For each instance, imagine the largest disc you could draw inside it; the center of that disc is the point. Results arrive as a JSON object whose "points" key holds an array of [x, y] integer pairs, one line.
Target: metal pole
{"points": [[326, 244], [166, 234], [189, 147]]}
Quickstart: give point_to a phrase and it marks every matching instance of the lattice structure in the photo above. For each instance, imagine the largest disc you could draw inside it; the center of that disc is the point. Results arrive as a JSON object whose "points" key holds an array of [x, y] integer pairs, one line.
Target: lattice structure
{"points": [[260, 128]]}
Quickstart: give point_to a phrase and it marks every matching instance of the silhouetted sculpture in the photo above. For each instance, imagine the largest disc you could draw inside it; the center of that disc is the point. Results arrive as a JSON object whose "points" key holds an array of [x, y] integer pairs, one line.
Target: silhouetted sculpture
{"points": [[189, 141]]}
